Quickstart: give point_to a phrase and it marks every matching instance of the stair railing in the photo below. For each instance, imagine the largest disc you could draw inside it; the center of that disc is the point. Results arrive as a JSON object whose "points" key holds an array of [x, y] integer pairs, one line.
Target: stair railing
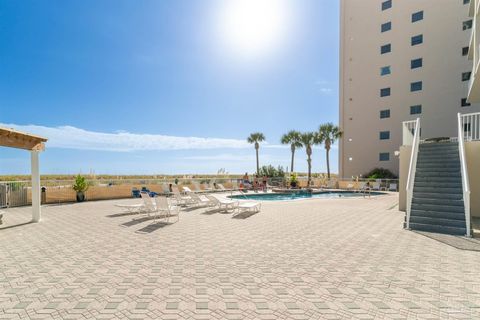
{"points": [[463, 165], [415, 130]]}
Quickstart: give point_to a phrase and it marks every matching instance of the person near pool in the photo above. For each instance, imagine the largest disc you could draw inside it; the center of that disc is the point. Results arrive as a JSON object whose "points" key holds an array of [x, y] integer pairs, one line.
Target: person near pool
{"points": [[264, 182]]}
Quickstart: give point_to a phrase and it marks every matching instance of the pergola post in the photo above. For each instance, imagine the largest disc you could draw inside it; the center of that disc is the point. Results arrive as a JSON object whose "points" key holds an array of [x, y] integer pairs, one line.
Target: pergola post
{"points": [[36, 210]]}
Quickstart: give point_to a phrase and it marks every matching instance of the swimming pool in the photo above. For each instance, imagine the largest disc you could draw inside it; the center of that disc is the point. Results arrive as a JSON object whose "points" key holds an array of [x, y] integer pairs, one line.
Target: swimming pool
{"points": [[301, 195]]}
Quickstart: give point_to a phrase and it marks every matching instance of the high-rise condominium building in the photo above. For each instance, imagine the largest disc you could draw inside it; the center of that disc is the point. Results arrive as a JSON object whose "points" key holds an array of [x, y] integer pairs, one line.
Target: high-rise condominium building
{"points": [[399, 60]]}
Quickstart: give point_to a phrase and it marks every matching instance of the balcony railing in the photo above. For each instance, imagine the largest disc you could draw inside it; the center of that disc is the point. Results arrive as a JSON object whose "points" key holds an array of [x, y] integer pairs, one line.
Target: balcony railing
{"points": [[470, 125]]}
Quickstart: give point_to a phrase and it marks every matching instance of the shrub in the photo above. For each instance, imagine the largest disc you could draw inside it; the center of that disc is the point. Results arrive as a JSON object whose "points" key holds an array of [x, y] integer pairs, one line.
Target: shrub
{"points": [[380, 173], [81, 184], [271, 172]]}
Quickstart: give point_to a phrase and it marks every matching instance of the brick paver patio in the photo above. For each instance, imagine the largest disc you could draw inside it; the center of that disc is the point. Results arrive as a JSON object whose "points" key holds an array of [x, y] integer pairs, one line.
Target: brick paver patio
{"points": [[308, 259]]}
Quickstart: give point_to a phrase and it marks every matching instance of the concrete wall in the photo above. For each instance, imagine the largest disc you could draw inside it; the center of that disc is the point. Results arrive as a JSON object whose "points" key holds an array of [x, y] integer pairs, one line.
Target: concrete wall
{"points": [[472, 150], [360, 80]]}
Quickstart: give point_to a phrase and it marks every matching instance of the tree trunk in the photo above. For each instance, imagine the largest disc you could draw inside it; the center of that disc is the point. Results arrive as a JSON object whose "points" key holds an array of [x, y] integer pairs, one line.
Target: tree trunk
{"points": [[258, 165], [293, 157], [309, 161], [328, 163]]}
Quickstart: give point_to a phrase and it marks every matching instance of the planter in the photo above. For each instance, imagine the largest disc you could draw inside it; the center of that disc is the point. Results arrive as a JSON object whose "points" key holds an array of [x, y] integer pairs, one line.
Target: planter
{"points": [[80, 196]]}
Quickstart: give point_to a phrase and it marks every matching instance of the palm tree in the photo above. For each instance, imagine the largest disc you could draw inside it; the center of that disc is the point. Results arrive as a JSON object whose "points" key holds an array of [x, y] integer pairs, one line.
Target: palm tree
{"points": [[256, 138], [328, 133], [293, 138], [308, 140]]}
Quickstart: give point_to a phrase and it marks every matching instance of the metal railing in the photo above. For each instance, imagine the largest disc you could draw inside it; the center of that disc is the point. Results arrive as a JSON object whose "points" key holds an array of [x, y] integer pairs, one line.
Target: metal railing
{"points": [[463, 166], [469, 126], [407, 128]]}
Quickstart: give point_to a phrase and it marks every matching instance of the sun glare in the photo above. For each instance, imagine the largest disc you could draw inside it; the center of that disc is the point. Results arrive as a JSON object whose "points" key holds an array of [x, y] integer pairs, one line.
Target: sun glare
{"points": [[253, 28]]}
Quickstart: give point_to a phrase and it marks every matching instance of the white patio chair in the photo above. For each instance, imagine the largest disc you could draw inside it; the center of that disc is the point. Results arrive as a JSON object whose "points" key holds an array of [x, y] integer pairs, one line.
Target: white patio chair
{"points": [[148, 203], [165, 209], [376, 186], [181, 200], [392, 187]]}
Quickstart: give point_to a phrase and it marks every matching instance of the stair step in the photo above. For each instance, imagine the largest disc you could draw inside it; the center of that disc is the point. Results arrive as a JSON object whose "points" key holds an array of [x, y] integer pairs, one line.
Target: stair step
{"points": [[429, 195], [440, 202], [439, 145], [443, 155], [438, 229], [437, 190], [437, 151], [445, 169], [434, 221], [439, 180], [440, 185], [438, 214], [437, 174], [440, 166], [447, 208]]}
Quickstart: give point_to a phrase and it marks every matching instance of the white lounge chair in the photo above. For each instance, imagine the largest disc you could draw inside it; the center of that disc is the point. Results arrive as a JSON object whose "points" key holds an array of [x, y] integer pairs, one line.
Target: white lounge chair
{"points": [[350, 186], [200, 201], [181, 200], [250, 207], [165, 209], [186, 189], [132, 208], [376, 186], [148, 203], [392, 187], [222, 203]]}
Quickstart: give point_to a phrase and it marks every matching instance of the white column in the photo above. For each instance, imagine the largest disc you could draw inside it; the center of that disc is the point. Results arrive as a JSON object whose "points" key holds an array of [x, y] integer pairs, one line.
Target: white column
{"points": [[36, 211]]}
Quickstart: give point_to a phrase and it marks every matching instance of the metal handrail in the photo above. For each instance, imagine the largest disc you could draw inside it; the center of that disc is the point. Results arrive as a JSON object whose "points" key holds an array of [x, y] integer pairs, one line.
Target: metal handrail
{"points": [[412, 169], [463, 165]]}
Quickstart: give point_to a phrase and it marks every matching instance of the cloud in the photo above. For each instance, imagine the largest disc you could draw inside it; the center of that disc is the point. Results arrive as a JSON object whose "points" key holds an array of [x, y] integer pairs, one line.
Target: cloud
{"points": [[325, 86], [69, 137]]}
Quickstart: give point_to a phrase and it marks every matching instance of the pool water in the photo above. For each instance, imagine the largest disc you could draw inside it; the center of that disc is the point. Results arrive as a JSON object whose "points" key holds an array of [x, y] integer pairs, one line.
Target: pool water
{"points": [[301, 195]]}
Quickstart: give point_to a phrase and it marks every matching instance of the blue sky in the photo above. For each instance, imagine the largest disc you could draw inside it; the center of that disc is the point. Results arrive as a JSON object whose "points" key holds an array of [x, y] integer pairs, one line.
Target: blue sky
{"points": [[140, 87]]}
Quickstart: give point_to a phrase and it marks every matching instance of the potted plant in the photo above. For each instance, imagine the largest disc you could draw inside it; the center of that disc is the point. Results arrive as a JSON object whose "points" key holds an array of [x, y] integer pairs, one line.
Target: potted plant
{"points": [[80, 187], [293, 180]]}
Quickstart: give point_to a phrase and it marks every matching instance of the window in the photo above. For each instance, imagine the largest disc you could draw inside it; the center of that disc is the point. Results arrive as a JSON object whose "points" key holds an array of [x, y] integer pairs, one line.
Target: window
{"points": [[465, 103], [416, 63], [386, 26], [465, 51], [384, 113], [385, 70], [386, 4], [384, 135], [385, 48], [417, 39], [384, 156], [416, 86], [467, 25], [385, 92], [416, 109], [466, 1], [417, 16], [466, 76]]}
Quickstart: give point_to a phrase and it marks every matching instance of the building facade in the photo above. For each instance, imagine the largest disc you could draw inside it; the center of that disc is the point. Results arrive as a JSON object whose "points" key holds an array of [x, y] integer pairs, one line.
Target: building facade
{"points": [[400, 60]]}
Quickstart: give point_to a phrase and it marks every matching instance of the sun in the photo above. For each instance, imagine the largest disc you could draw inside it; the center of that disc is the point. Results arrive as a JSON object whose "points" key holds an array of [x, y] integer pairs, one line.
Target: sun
{"points": [[252, 28]]}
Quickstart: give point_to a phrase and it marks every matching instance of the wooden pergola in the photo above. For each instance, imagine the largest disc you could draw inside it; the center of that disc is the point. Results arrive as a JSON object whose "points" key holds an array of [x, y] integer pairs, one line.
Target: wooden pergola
{"points": [[35, 144]]}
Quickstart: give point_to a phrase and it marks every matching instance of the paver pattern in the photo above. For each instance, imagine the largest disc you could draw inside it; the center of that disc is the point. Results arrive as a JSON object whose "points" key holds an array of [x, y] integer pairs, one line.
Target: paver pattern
{"points": [[307, 259]]}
